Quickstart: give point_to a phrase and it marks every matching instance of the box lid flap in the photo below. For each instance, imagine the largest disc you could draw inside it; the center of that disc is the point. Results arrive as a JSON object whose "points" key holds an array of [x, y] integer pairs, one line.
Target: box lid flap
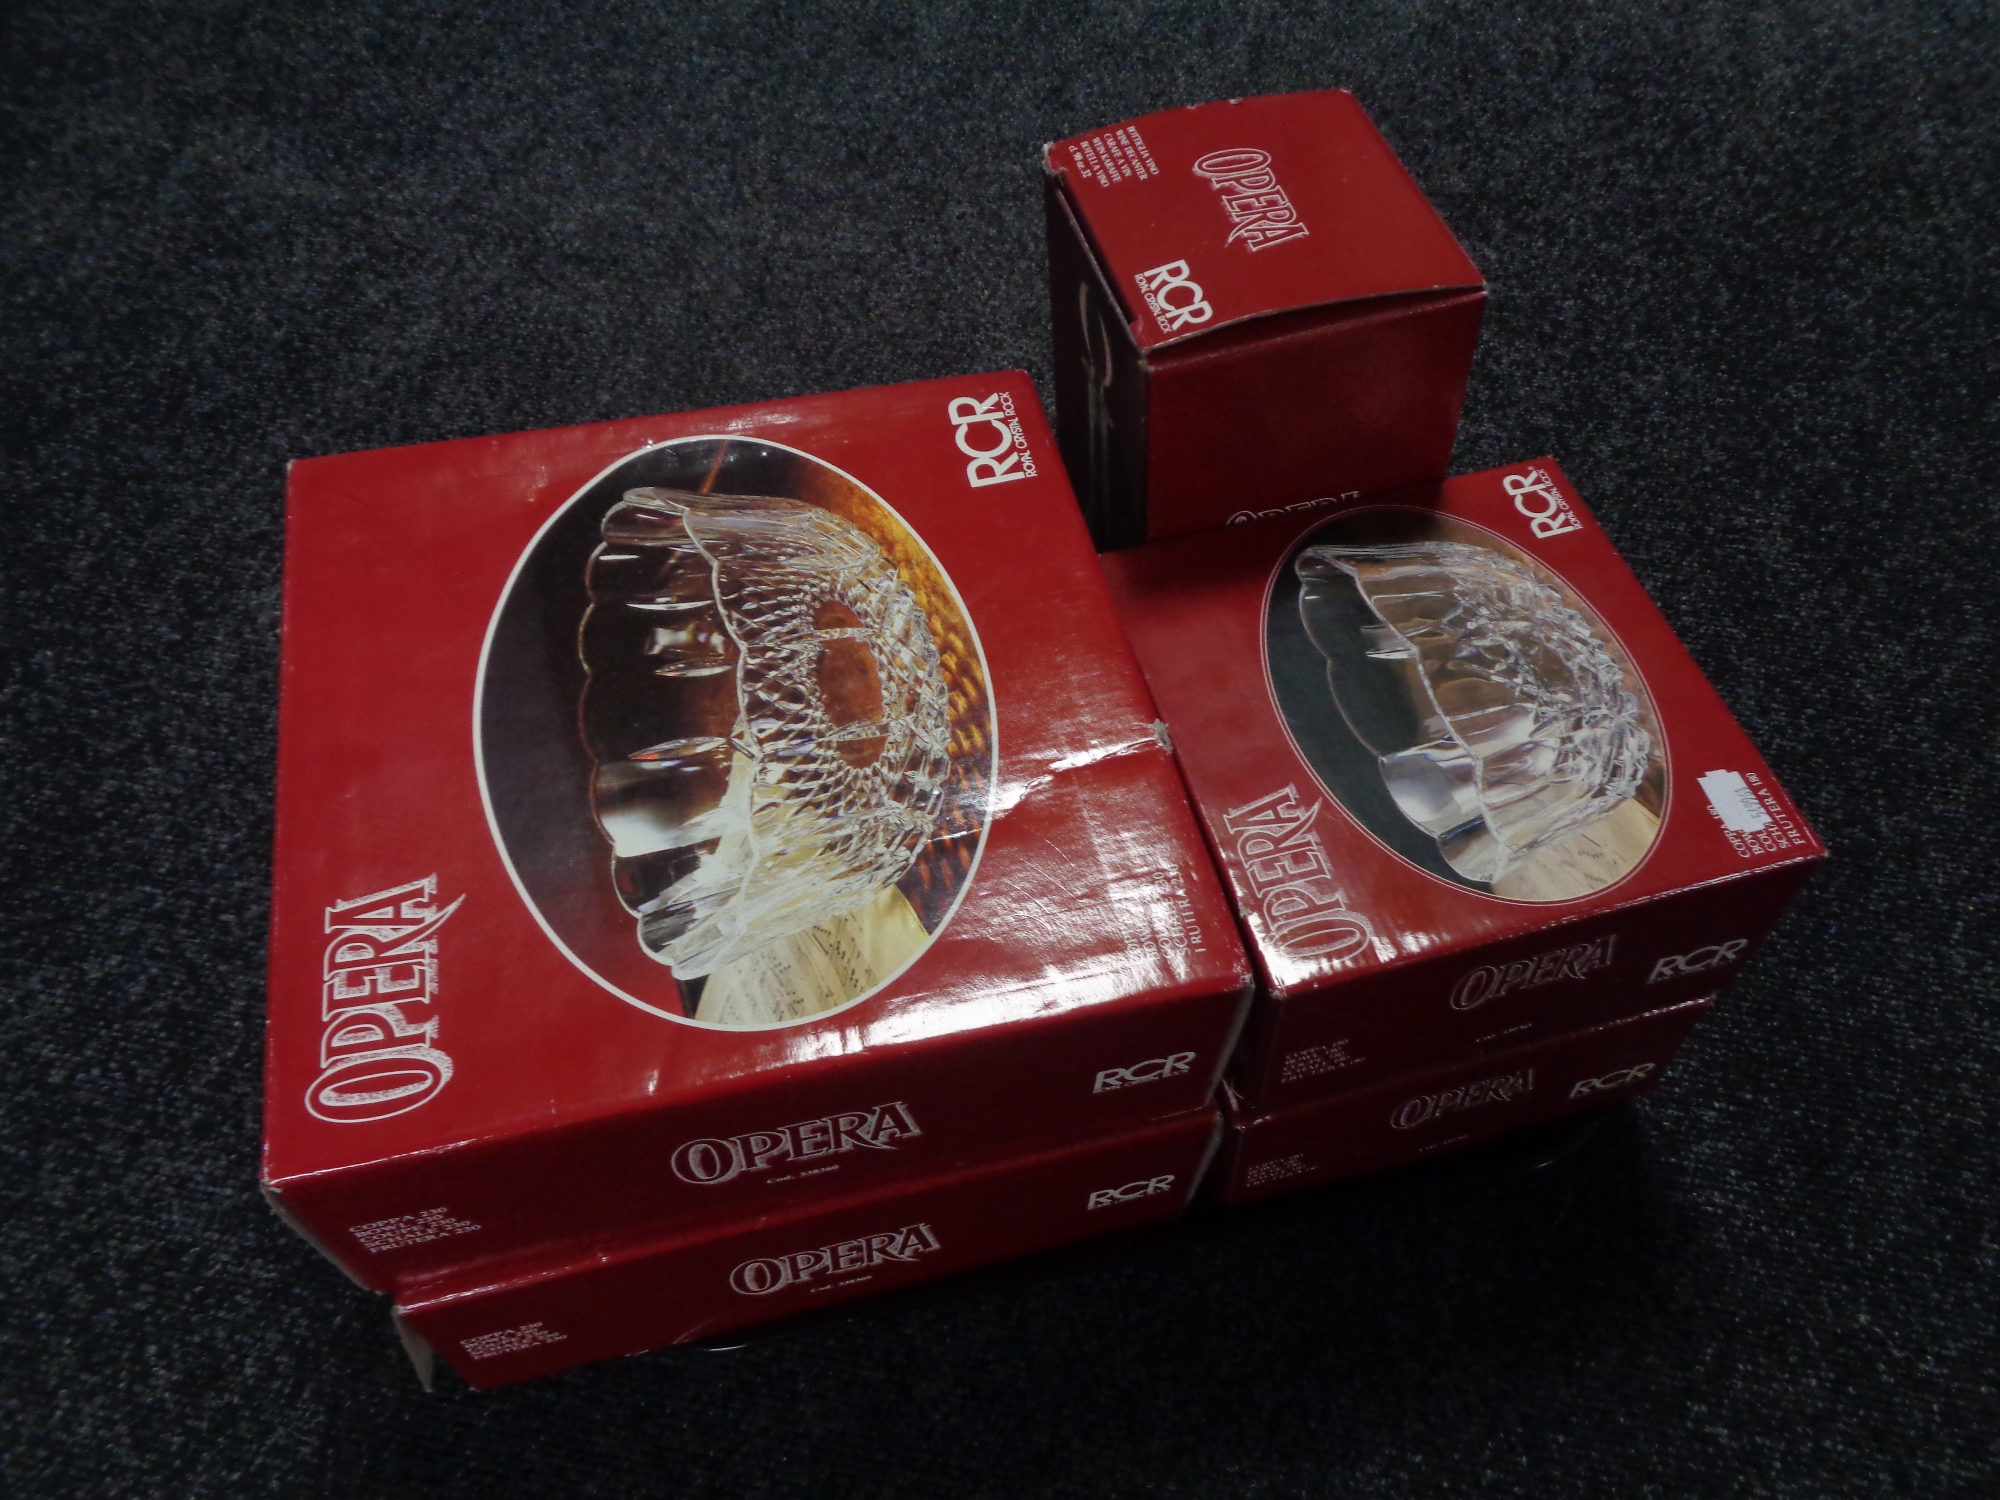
{"points": [[1207, 215]]}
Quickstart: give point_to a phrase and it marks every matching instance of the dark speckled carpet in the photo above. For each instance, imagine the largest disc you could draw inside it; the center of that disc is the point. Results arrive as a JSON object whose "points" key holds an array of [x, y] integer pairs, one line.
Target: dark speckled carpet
{"points": [[1743, 260]]}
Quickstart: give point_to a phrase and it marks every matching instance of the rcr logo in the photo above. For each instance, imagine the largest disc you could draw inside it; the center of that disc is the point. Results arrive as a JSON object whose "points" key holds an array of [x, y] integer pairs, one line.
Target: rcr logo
{"points": [[1145, 1187], [1535, 496], [1622, 1078], [1173, 297], [1152, 1070], [1292, 877], [1715, 956], [989, 434]]}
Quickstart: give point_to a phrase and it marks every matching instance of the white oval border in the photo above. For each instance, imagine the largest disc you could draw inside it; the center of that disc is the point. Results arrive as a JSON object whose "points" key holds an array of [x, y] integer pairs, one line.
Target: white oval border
{"points": [[479, 747]]}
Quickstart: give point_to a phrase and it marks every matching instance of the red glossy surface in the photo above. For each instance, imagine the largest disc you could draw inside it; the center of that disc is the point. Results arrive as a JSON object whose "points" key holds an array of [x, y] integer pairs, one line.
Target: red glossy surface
{"points": [[1318, 326], [1326, 1023], [551, 1316], [1092, 936], [1350, 400], [1412, 1119], [1369, 231]]}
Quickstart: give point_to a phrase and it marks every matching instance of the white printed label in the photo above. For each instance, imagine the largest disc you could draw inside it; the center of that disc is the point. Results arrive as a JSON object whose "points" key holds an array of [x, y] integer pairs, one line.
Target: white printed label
{"points": [[1714, 956], [1292, 878], [410, 1229], [510, 1340], [1258, 209], [1535, 496], [1731, 800], [1426, 1107], [378, 994], [712, 1160], [1283, 510], [1311, 1062], [1276, 1171]]}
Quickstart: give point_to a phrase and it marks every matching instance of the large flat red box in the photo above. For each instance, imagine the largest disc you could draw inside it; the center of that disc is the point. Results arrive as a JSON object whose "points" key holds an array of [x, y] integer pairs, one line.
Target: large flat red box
{"points": [[540, 1319], [1410, 1120], [686, 818], [1253, 306], [1466, 787]]}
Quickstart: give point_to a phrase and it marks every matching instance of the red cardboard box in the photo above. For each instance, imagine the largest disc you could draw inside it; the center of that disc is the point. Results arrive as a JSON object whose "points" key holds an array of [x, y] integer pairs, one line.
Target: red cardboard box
{"points": [[695, 1286], [1409, 1120], [1253, 306], [685, 818], [1465, 785]]}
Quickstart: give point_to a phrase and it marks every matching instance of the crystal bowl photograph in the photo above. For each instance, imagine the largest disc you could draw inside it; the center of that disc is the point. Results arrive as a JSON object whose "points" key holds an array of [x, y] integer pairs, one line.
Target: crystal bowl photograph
{"points": [[1465, 705], [735, 736]]}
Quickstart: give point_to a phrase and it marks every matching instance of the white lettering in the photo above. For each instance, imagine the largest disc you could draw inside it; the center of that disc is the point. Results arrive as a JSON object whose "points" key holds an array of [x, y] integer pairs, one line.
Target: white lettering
{"points": [[1700, 961], [404, 1230], [767, 1274], [1535, 496], [511, 1340], [1241, 516], [709, 1160], [1150, 1071], [1259, 211], [1173, 296], [378, 1054], [999, 453], [1292, 879], [1424, 1108], [1491, 981], [1145, 1187], [1618, 1079]]}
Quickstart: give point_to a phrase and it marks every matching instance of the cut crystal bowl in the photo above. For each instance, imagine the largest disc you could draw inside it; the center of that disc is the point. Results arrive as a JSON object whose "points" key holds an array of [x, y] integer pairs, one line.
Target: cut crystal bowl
{"points": [[1500, 722], [768, 717]]}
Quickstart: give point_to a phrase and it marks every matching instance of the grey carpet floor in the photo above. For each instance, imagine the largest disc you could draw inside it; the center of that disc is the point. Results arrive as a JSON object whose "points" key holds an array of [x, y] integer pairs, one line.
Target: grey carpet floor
{"points": [[1742, 260]]}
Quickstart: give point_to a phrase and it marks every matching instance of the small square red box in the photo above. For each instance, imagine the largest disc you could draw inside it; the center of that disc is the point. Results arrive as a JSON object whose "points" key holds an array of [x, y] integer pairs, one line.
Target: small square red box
{"points": [[538, 1319], [1409, 1120], [1253, 306], [687, 818], [1464, 783]]}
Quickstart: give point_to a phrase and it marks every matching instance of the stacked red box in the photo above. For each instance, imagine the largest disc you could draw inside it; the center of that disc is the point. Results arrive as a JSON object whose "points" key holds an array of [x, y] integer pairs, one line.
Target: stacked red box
{"points": [[1414, 1118], [694, 820], [732, 862], [1253, 307], [501, 1325], [1468, 791]]}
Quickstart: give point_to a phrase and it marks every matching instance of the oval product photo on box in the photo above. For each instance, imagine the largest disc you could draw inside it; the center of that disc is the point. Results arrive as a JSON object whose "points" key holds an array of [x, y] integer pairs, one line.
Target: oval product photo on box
{"points": [[790, 746], [1468, 791], [694, 818]]}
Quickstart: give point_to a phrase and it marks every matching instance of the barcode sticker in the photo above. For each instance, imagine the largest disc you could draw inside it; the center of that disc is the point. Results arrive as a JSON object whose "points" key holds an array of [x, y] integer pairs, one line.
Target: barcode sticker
{"points": [[1731, 799]]}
